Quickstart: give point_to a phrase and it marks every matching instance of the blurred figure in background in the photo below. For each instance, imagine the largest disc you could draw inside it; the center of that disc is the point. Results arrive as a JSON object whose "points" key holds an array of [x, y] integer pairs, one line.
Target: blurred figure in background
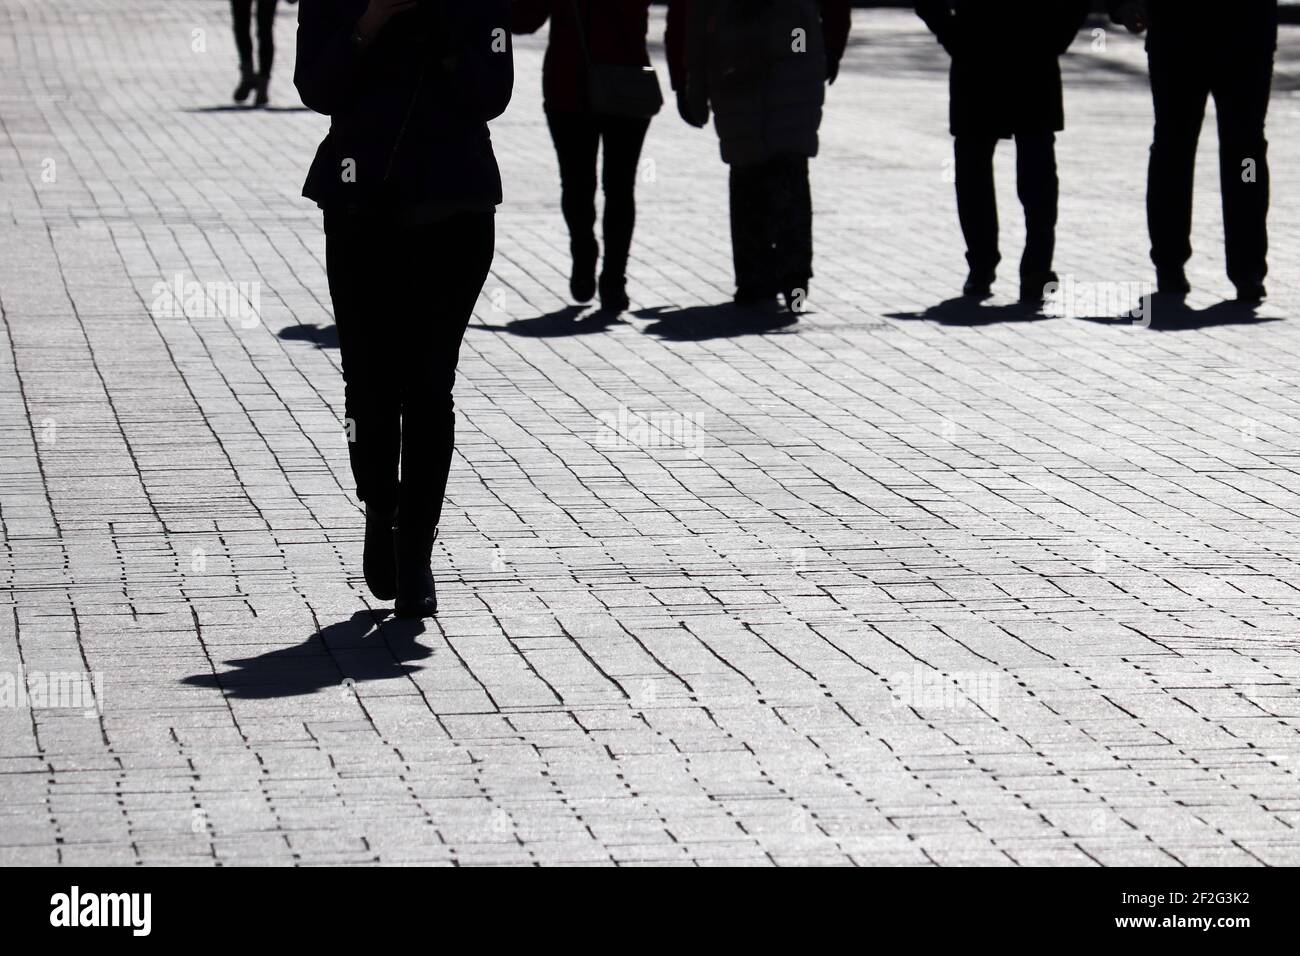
{"points": [[251, 80], [1196, 50], [599, 91], [409, 186], [762, 66], [1006, 84]]}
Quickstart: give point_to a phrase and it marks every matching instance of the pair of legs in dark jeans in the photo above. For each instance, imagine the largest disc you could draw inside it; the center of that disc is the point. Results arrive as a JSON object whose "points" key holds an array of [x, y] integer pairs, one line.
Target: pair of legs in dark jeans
{"points": [[578, 138], [977, 207], [771, 230], [1181, 85], [242, 14], [403, 296]]}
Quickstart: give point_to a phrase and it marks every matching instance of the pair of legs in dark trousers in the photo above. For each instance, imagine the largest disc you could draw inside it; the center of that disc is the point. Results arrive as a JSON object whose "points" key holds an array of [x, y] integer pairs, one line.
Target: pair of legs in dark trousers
{"points": [[403, 296], [771, 229], [242, 13], [1181, 85], [578, 139], [977, 203]]}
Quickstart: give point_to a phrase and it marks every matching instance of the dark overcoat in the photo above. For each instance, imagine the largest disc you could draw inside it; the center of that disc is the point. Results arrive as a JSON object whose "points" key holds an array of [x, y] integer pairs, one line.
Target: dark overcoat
{"points": [[1006, 71], [1240, 29]]}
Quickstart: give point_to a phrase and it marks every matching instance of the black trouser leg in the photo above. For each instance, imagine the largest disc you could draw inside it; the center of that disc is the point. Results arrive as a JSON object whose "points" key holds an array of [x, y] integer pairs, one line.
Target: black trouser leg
{"points": [[1180, 90], [977, 200], [577, 142], [1241, 96], [751, 232], [791, 215], [241, 13], [1039, 189], [453, 257], [359, 254], [399, 346], [265, 36], [623, 138]]}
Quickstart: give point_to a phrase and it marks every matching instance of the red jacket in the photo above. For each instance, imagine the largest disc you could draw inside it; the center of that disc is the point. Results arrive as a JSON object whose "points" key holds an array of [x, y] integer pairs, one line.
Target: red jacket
{"points": [[836, 21], [616, 34]]}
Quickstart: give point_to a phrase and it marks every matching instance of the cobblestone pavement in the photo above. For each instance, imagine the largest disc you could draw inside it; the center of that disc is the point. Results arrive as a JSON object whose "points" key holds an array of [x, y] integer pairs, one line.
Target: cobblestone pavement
{"points": [[889, 585]]}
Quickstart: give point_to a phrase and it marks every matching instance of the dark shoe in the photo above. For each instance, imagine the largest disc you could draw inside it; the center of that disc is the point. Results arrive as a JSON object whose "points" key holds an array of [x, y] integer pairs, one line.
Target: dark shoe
{"points": [[1251, 293], [979, 284], [378, 562], [1032, 288], [262, 97], [613, 294], [247, 80], [417, 595], [752, 297], [582, 280], [1172, 282]]}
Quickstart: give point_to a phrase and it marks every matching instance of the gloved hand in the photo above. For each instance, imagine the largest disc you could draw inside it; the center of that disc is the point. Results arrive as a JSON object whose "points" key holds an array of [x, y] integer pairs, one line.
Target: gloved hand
{"points": [[686, 112], [950, 38]]}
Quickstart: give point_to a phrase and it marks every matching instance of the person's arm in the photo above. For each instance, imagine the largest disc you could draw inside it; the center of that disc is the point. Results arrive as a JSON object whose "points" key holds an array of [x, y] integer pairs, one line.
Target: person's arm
{"points": [[331, 47], [675, 42], [939, 17], [1074, 15], [687, 63], [485, 68], [837, 21], [528, 16]]}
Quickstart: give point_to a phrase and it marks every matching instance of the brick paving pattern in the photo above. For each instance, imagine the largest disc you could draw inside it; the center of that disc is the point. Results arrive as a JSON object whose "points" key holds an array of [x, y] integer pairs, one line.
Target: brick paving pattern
{"points": [[877, 587]]}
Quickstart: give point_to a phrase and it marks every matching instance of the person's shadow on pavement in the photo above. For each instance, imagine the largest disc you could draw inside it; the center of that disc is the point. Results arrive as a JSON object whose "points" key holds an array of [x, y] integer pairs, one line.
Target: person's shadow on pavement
{"points": [[365, 647], [966, 311], [323, 336], [1172, 314], [569, 320], [699, 323], [241, 108]]}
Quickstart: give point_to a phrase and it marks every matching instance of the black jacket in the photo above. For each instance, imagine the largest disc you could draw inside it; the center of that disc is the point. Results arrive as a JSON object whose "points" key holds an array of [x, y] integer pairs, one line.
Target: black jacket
{"points": [[1210, 28], [1006, 72], [409, 114], [736, 57]]}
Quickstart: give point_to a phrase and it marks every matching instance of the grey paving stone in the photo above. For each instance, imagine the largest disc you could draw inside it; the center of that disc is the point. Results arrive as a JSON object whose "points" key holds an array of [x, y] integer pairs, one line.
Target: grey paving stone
{"points": [[1016, 593]]}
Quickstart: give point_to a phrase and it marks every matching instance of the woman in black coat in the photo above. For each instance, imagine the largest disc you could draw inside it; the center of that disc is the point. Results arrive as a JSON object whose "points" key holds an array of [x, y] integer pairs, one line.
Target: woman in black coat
{"points": [[409, 186], [1006, 83], [610, 33]]}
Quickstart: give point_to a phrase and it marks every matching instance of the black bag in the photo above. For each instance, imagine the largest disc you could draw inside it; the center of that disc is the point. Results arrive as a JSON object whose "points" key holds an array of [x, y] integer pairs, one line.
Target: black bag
{"points": [[617, 89]]}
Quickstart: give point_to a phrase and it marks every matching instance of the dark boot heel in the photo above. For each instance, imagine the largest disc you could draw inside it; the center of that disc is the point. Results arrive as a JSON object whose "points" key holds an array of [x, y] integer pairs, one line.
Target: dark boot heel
{"points": [[582, 280], [613, 293], [378, 562], [247, 81], [417, 594]]}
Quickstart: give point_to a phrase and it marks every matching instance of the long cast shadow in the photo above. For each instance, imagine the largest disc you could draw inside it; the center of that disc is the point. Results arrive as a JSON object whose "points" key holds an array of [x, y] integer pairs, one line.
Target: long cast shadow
{"points": [[1175, 315], [700, 323], [569, 320], [322, 336], [365, 647], [240, 108], [966, 311]]}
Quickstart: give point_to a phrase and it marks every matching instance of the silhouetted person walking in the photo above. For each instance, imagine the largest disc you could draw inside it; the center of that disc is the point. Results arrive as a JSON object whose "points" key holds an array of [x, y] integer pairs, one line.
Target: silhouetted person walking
{"points": [[254, 80], [1006, 84], [599, 91], [409, 186], [1199, 49], [762, 66]]}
